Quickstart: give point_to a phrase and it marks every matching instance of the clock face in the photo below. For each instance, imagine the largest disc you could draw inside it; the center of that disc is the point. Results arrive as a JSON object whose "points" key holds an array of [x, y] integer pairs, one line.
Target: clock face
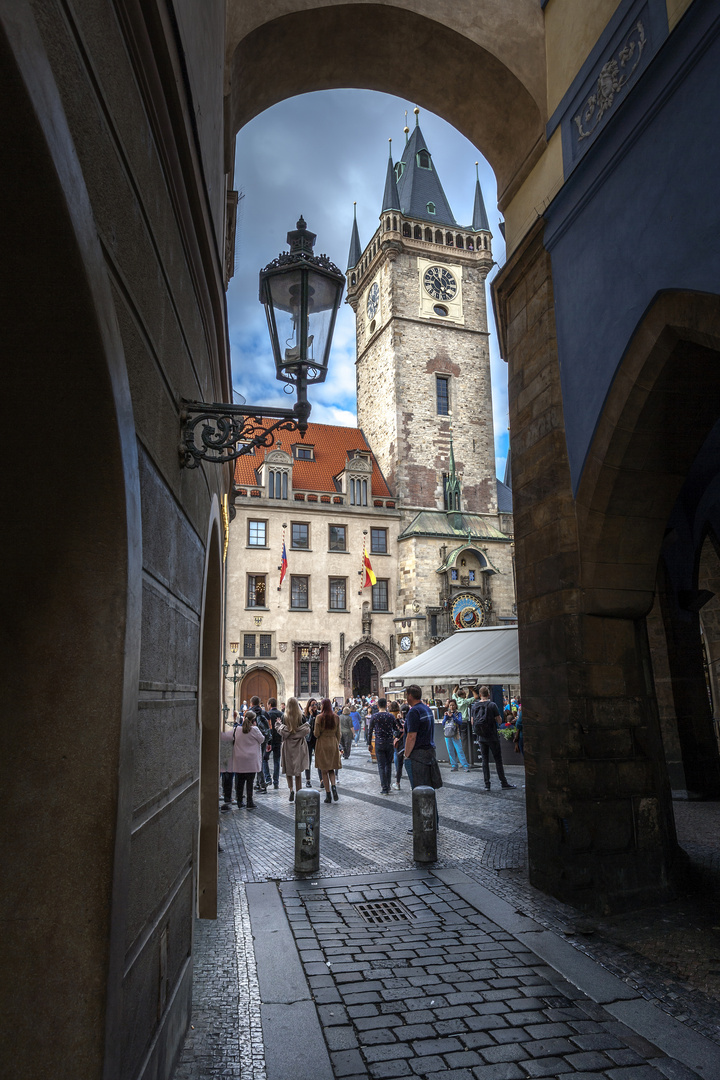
{"points": [[373, 300], [467, 611], [405, 643], [440, 283]]}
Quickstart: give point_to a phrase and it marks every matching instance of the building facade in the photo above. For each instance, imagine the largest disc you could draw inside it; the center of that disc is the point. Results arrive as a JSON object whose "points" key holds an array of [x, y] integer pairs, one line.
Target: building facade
{"points": [[321, 632]]}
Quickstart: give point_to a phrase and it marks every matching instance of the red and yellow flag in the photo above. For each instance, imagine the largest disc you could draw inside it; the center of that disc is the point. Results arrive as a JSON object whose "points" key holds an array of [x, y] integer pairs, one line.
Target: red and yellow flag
{"points": [[370, 578]]}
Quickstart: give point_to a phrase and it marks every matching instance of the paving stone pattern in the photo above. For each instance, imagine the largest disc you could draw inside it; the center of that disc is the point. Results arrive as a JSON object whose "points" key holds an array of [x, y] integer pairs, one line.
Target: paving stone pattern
{"points": [[448, 994], [484, 835]]}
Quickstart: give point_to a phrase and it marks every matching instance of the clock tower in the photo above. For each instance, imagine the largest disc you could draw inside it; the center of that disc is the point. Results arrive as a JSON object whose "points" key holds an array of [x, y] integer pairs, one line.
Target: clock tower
{"points": [[423, 361], [424, 402]]}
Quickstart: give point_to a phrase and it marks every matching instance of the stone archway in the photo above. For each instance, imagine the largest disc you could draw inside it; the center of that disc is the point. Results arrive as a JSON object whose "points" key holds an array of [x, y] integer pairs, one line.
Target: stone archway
{"points": [[493, 54], [371, 651]]}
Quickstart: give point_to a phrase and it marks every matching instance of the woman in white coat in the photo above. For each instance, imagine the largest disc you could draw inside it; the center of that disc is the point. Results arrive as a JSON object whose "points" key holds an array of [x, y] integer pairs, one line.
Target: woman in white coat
{"points": [[247, 757]]}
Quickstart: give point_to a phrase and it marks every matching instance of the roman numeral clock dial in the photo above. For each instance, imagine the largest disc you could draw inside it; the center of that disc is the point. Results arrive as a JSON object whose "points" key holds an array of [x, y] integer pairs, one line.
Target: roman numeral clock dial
{"points": [[440, 283]]}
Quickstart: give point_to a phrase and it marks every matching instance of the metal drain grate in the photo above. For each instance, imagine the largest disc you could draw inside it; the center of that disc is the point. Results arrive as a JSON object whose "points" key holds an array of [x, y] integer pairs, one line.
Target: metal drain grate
{"points": [[383, 911]]}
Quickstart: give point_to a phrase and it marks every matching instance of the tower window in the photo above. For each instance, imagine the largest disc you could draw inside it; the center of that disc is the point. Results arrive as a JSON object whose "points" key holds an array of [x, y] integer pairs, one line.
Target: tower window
{"points": [[442, 388], [470, 245], [399, 169], [438, 237], [417, 232], [428, 235], [458, 241], [423, 160], [440, 310], [449, 239], [406, 229], [431, 208], [394, 224]]}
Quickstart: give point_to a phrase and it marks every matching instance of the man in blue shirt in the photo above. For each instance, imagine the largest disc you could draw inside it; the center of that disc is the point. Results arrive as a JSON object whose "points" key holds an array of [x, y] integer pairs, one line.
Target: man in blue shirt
{"points": [[419, 742]]}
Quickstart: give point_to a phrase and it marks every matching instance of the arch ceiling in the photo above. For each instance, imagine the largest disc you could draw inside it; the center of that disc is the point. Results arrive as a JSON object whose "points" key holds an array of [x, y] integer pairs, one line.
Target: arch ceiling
{"points": [[482, 68]]}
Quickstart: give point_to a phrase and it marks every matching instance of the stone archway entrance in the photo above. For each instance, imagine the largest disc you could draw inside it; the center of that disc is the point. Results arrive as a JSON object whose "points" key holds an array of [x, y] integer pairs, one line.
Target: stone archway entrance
{"points": [[364, 677], [260, 682]]}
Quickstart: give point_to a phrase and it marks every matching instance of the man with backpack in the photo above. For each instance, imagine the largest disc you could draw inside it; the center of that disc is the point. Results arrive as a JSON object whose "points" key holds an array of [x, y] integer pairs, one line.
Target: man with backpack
{"points": [[263, 724], [274, 742], [485, 717]]}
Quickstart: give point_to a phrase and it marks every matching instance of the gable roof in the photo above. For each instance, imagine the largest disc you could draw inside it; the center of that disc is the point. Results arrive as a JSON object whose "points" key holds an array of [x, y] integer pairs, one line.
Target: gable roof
{"points": [[417, 187], [331, 444]]}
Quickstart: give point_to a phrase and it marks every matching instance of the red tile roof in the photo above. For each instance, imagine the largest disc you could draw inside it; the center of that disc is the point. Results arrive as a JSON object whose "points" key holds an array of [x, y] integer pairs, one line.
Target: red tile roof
{"points": [[331, 445]]}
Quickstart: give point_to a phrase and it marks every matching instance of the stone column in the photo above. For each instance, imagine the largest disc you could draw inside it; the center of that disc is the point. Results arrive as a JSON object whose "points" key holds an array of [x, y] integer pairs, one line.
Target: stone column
{"points": [[600, 825]]}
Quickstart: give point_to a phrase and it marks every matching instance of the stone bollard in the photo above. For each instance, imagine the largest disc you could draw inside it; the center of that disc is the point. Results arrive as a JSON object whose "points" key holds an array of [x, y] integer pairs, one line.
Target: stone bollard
{"points": [[307, 831], [424, 815]]}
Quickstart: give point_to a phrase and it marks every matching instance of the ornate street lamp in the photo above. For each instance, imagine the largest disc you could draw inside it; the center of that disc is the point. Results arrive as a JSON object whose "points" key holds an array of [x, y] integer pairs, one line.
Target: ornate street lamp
{"points": [[238, 674], [301, 293]]}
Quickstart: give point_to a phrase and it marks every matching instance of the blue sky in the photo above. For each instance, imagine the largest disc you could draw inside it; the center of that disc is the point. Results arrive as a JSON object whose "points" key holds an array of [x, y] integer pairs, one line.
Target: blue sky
{"points": [[314, 155]]}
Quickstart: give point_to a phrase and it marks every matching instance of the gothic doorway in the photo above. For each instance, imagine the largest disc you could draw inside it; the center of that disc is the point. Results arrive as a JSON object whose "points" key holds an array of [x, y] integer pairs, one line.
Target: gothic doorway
{"points": [[258, 682], [365, 678]]}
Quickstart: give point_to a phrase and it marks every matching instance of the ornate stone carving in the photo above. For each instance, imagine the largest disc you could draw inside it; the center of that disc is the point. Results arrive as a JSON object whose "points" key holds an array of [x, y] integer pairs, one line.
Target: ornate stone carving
{"points": [[614, 77]]}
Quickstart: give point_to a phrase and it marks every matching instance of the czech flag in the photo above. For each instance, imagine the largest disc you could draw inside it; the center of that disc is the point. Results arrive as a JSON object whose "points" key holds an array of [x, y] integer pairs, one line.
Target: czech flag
{"points": [[284, 563], [370, 578]]}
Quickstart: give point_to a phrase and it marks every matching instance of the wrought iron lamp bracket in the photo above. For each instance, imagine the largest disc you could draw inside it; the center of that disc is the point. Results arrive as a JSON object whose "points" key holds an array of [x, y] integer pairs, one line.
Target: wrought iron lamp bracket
{"points": [[219, 433]]}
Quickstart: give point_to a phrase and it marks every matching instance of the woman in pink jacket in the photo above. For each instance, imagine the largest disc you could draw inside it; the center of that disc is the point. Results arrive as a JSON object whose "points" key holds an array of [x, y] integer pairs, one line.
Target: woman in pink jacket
{"points": [[247, 757]]}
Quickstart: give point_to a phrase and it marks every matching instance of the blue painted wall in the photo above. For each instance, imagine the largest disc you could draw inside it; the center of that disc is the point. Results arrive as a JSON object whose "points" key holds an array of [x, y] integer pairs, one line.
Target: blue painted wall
{"points": [[639, 214]]}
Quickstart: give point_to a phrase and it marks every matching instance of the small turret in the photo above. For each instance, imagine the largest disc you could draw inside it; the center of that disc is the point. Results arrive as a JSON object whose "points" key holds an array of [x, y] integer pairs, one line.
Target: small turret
{"points": [[391, 199], [480, 219], [355, 249]]}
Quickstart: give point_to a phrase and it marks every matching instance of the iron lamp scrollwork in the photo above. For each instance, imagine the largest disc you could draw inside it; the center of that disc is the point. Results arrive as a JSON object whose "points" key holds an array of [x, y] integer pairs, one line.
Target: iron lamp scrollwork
{"points": [[301, 293]]}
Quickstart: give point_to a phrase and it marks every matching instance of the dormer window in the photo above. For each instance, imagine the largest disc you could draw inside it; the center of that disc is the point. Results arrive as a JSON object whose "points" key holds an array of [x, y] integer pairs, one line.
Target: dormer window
{"points": [[399, 170], [423, 159], [431, 208], [303, 453]]}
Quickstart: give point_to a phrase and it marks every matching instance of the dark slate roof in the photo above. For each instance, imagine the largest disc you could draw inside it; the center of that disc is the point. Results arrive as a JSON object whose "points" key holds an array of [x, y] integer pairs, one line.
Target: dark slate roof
{"points": [[391, 199], [417, 187], [507, 478], [504, 498], [463, 526], [355, 249], [480, 218]]}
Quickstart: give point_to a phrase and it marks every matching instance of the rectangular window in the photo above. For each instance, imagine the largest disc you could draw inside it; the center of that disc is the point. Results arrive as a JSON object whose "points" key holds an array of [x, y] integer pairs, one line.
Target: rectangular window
{"points": [[299, 592], [472, 575], [248, 644], [378, 541], [433, 626], [338, 591], [257, 533], [309, 676], [338, 538], [453, 575], [380, 595], [443, 395], [300, 536], [303, 453], [257, 593], [266, 644]]}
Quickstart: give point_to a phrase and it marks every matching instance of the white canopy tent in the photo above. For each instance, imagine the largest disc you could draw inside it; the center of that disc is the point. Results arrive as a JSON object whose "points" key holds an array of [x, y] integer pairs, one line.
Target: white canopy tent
{"points": [[480, 655]]}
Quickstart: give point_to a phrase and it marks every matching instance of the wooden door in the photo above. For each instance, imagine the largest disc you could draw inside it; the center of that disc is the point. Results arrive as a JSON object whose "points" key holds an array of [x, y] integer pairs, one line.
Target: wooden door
{"points": [[258, 682]]}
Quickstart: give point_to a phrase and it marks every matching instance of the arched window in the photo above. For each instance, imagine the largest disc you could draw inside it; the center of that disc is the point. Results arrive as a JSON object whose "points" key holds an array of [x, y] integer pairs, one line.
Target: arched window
{"points": [[278, 481], [352, 492], [353, 280], [470, 244], [387, 224], [431, 208], [438, 237], [449, 239], [406, 229], [417, 233], [458, 241], [423, 159], [364, 492], [271, 485], [394, 224], [428, 235], [285, 485]]}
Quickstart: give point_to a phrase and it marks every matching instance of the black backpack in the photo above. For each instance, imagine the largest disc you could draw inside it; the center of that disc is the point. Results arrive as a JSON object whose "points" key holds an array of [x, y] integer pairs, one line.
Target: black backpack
{"points": [[483, 718]]}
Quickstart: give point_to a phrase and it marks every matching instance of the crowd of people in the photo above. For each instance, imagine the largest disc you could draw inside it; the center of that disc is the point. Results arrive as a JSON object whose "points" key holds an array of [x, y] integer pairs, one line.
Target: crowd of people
{"points": [[268, 741]]}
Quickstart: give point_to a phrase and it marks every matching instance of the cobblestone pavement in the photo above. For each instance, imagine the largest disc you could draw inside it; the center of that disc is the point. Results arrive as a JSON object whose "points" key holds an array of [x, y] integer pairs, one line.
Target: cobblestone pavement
{"points": [[674, 964]]}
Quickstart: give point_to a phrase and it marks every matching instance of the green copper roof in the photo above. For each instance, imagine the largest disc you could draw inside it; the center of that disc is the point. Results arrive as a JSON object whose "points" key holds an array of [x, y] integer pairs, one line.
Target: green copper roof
{"points": [[467, 527]]}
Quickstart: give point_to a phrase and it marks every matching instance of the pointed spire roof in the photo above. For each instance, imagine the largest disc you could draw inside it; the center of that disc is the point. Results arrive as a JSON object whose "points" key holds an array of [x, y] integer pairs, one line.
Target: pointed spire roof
{"points": [[419, 185], [391, 199], [480, 218], [355, 249], [453, 487]]}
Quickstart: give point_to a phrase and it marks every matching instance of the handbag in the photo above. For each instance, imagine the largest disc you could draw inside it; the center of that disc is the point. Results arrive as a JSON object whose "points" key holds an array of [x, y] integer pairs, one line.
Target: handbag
{"points": [[436, 779]]}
